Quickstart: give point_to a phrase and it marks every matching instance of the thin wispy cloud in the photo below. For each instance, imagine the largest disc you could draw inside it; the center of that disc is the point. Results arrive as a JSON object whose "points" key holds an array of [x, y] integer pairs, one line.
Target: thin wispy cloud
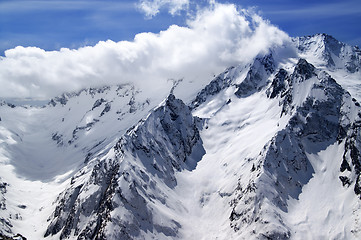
{"points": [[7, 6], [316, 11], [152, 7]]}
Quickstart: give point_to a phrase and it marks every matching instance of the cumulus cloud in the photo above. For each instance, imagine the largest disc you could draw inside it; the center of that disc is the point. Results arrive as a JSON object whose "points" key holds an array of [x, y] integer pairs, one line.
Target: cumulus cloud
{"points": [[216, 38], [152, 7]]}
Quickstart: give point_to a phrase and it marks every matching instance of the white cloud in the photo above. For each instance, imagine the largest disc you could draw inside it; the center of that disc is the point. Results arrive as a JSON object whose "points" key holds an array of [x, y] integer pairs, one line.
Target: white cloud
{"points": [[214, 39], [152, 7]]}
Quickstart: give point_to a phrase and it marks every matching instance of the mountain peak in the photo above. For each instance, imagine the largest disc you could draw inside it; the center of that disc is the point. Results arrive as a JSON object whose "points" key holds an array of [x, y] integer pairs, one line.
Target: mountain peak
{"points": [[304, 69], [257, 75], [327, 51], [253, 156]]}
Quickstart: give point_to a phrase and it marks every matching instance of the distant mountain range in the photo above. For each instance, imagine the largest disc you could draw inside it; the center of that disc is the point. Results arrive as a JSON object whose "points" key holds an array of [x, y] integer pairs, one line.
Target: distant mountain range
{"points": [[270, 149]]}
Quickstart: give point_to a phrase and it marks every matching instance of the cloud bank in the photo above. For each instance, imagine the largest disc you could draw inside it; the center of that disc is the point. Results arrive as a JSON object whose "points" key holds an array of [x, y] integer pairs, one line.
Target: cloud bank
{"points": [[217, 37]]}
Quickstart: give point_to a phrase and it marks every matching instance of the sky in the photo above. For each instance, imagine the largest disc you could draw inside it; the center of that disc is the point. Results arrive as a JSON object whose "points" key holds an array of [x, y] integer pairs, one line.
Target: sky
{"points": [[51, 46], [53, 24]]}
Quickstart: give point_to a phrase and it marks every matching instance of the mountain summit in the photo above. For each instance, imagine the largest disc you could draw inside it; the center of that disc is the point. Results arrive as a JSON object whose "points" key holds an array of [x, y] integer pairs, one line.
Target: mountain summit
{"points": [[270, 149]]}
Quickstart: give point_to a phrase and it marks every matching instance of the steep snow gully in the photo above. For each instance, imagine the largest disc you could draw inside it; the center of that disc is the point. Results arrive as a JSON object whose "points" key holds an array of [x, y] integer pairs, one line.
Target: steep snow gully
{"points": [[267, 150]]}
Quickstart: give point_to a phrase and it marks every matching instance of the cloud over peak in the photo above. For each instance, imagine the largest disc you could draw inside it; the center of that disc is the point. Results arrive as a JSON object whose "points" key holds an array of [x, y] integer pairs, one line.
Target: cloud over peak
{"points": [[215, 38]]}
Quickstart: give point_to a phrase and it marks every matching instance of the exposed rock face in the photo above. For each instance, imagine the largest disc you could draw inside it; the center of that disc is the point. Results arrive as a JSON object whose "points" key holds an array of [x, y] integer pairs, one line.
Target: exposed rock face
{"points": [[5, 224], [266, 133], [222, 81], [283, 168], [118, 192], [279, 84], [351, 164], [256, 77]]}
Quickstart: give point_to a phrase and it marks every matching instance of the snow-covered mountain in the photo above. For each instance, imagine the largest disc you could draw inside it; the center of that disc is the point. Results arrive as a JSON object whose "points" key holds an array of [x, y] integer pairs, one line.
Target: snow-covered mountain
{"points": [[266, 150]]}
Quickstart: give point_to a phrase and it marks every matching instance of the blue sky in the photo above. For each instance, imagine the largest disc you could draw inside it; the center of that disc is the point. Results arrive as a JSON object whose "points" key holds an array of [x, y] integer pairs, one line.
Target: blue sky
{"points": [[53, 24]]}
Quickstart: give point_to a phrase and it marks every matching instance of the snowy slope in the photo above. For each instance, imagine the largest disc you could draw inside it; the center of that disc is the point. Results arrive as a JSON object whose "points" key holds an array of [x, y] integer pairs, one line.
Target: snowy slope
{"points": [[42, 148], [335, 57], [267, 150]]}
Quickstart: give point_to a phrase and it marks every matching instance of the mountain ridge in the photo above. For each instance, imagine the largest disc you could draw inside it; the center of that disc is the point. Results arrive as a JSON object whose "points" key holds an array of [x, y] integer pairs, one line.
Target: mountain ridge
{"points": [[237, 162]]}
